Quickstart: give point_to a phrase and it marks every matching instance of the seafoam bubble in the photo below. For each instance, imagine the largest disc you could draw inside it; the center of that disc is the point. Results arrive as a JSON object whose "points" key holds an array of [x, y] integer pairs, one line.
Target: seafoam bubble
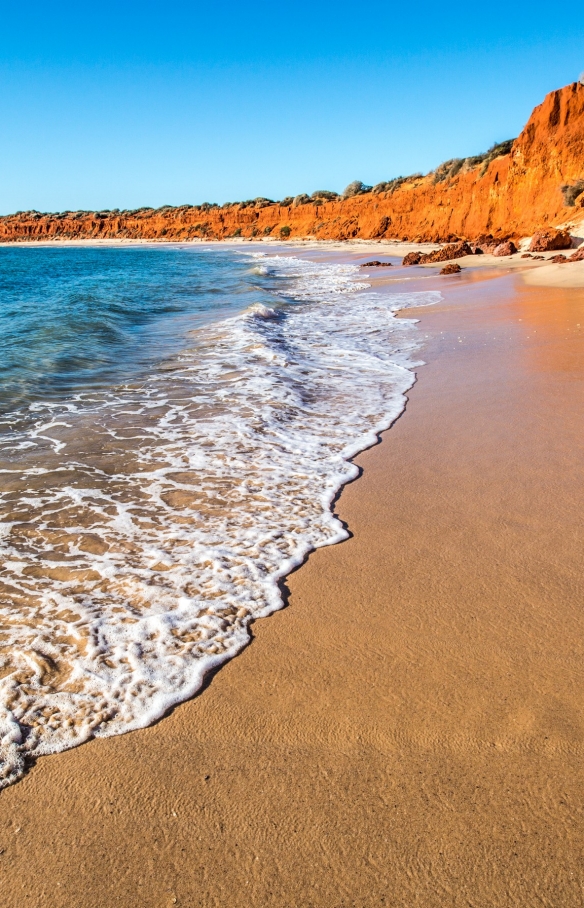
{"points": [[261, 311], [144, 528]]}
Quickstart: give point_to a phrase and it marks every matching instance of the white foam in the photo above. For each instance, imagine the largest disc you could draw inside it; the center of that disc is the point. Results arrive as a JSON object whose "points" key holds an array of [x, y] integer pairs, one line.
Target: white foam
{"points": [[164, 516]]}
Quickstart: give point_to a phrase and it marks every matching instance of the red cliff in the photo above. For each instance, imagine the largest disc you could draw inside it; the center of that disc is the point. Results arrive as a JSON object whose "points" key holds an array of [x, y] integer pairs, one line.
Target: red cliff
{"points": [[509, 197]]}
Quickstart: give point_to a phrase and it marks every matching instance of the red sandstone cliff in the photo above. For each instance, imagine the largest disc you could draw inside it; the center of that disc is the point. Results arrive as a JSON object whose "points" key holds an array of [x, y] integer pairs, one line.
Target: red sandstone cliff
{"points": [[511, 197]]}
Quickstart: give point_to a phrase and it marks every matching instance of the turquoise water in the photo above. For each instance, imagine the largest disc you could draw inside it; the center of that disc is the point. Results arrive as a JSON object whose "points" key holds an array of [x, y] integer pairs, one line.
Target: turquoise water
{"points": [[77, 318]]}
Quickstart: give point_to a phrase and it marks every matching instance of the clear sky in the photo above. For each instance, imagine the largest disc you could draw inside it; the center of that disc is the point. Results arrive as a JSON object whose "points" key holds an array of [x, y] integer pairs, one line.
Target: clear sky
{"points": [[119, 105]]}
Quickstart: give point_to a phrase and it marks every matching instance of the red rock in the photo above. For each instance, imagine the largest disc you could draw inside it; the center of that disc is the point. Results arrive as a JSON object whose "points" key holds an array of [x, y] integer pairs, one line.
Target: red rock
{"points": [[376, 264], [507, 248], [446, 254], [526, 255], [577, 256], [549, 240], [558, 259], [451, 268], [412, 258]]}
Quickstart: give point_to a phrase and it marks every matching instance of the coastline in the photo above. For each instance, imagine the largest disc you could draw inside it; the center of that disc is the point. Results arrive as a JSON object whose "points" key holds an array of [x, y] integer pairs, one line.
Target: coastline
{"points": [[533, 272], [409, 731], [462, 198]]}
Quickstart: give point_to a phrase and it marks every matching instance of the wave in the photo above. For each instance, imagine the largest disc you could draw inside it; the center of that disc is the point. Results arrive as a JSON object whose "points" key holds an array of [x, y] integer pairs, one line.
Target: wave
{"points": [[142, 530]]}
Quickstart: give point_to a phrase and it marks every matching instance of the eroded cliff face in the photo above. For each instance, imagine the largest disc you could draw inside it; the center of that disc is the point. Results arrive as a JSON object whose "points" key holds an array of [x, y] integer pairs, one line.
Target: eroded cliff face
{"points": [[510, 198]]}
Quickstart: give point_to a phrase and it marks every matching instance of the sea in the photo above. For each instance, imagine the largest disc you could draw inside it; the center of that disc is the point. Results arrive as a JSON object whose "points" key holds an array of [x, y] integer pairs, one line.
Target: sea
{"points": [[175, 425]]}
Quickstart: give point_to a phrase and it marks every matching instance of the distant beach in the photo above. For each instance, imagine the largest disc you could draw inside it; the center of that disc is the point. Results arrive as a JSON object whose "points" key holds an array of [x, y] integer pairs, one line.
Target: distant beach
{"points": [[409, 730]]}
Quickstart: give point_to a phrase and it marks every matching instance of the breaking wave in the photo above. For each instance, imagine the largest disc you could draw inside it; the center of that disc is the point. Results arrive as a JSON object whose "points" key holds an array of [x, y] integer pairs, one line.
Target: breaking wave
{"points": [[144, 527]]}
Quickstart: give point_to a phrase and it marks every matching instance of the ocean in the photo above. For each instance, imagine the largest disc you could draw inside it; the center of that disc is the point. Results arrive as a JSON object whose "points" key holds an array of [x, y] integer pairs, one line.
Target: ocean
{"points": [[175, 423]]}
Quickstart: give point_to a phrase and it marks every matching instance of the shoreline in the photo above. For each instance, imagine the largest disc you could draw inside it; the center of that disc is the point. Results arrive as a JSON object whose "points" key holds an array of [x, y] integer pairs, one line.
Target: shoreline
{"points": [[383, 399], [365, 754], [533, 272]]}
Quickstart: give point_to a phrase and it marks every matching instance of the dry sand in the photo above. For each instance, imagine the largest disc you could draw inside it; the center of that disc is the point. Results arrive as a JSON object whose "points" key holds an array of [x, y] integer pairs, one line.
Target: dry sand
{"points": [[410, 731]]}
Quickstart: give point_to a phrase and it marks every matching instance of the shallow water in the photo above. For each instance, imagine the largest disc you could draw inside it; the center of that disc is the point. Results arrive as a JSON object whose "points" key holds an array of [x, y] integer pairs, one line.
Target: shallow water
{"points": [[176, 424]]}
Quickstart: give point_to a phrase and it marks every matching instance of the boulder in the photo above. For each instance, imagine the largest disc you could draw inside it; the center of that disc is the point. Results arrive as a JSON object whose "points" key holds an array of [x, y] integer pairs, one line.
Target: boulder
{"points": [[527, 255], [507, 248], [549, 240], [412, 258], [452, 251], [558, 259], [451, 268], [577, 256], [376, 264]]}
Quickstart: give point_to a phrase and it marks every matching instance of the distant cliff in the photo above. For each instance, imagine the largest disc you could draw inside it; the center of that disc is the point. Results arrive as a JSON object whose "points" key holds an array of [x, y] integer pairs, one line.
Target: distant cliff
{"points": [[540, 181]]}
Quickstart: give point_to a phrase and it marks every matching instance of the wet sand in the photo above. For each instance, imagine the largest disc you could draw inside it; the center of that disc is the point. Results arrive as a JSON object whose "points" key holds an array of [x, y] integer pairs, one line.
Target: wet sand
{"points": [[410, 731]]}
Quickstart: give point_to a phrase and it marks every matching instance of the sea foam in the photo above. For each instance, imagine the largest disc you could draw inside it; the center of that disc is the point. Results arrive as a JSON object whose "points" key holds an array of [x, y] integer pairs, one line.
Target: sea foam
{"points": [[143, 529]]}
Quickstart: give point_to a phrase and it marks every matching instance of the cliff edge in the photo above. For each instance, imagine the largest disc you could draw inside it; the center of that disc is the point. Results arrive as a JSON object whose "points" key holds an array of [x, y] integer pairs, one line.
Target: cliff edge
{"points": [[539, 182]]}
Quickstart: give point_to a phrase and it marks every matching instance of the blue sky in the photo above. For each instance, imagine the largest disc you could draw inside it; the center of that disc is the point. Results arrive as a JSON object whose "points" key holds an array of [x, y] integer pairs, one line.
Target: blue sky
{"points": [[118, 105]]}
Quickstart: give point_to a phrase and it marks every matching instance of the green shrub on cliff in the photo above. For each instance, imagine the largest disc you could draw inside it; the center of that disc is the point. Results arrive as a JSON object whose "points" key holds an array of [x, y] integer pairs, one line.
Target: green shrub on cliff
{"points": [[324, 195], [392, 185], [500, 148], [285, 232], [449, 169], [356, 188]]}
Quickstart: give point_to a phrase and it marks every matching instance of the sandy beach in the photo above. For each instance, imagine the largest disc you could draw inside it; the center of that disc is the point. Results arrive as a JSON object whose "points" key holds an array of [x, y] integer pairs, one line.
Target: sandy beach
{"points": [[409, 731]]}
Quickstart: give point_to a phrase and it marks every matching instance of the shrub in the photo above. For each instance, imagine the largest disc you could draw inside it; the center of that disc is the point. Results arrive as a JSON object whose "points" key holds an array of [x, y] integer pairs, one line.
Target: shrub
{"points": [[301, 199], [237, 232], [355, 188], [286, 202], [325, 194], [448, 169], [267, 230], [498, 149], [285, 232], [571, 193], [392, 185]]}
